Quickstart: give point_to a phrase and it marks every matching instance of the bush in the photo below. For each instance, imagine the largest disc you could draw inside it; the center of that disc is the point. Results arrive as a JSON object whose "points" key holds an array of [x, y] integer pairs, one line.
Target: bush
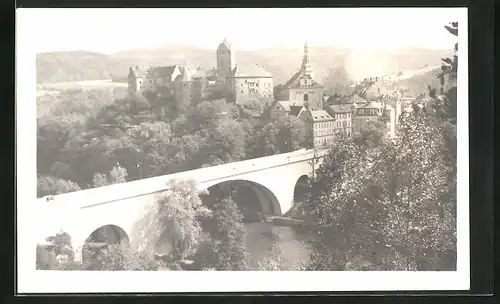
{"points": [[49, 185]]}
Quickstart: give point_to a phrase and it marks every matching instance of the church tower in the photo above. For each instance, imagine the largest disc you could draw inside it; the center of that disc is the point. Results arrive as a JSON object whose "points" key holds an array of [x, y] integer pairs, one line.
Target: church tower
{"points": [[225, 60], [306, 62]]}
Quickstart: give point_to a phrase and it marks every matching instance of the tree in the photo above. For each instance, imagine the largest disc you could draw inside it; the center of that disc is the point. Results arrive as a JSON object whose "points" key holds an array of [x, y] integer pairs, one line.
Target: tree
{"points": [[447, 106], [273, 262], [49, 185], [58, 255], [225, 247], [99, 180], [173, 221], [291, 134], [117, 175], [226, 142], [122, 257], [339, 204], [418, 182], [396, 199], [267, 141]]}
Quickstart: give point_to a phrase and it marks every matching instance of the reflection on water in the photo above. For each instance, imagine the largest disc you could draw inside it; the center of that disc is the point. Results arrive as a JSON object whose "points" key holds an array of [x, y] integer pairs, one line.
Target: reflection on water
{"points": [[261, 237]]}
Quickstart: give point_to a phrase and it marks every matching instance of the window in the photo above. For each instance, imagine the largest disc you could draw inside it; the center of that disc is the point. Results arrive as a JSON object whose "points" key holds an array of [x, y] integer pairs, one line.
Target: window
{"points": [[241, 91], [306, 97]]}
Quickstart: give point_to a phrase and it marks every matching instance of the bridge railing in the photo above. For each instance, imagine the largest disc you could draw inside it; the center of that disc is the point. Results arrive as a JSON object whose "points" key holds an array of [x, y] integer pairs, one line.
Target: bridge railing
{"points": [[120, 191]]}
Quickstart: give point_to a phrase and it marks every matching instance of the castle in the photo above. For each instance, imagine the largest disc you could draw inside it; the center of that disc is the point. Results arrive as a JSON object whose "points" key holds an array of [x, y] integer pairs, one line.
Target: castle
{"points": [[238, 83], [301, 96]]}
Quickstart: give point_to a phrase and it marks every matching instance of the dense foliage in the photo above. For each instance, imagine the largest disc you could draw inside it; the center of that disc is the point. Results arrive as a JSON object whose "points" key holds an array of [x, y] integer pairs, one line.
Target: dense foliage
{"points": [[390, 204], [225, 244], [148, 134]]}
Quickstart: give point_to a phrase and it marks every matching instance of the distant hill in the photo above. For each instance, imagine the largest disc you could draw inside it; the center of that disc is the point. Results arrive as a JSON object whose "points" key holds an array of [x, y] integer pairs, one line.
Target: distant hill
{"points": [[332, 65], [414, 82]]}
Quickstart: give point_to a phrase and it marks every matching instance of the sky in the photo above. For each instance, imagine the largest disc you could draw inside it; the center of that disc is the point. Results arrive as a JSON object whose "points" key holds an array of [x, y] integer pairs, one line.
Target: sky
{"points": [[112, 30]]}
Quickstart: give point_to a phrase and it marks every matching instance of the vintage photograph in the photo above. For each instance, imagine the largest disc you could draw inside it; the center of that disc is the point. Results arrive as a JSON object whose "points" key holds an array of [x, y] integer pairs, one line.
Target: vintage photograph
{"points": [[247, 139]]}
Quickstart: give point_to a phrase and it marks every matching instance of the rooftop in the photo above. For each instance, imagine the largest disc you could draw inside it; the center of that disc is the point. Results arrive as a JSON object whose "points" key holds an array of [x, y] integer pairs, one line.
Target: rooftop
{"points": [[341, 108], [295, 110], [140, 71], [162, 71], [224, 45], [357, 99], [202, 73], [186, 75], [250, 70], [318, 115], [313, 85], [372, 105], [294, 82]]}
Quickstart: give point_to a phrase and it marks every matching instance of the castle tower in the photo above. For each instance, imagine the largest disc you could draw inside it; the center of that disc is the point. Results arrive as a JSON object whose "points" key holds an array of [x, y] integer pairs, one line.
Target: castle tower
{"points": [[225, 60], [306, 62]]}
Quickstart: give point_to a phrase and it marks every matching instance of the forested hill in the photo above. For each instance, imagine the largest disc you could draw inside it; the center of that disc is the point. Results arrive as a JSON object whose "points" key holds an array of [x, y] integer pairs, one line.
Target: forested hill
{"points": [[330, 63]]}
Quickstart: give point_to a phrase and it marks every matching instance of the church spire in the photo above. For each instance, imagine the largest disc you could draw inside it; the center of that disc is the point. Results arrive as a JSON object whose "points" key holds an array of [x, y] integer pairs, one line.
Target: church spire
{"points": [[306, 61]]}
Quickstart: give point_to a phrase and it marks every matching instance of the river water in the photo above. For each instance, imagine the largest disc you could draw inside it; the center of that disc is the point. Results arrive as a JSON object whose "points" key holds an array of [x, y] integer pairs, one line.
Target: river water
{"points": [[262, 236]]}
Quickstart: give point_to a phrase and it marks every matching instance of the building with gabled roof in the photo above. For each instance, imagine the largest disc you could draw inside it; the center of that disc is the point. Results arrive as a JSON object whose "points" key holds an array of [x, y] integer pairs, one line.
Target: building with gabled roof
{"points": [[303, 87], [375, 114], [250, 83], [319, 127], [342, 113], [282, 108], [136, 77]]}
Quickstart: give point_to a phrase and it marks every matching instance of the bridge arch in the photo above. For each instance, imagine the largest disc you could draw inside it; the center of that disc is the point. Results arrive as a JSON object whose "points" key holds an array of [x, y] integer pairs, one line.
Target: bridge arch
{"points": [[300, 189], [251, 197], [101, 237]]}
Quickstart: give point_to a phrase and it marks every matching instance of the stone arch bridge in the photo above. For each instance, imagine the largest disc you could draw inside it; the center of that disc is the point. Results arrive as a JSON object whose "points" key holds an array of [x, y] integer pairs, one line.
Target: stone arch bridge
{"points": [[113, 210]]}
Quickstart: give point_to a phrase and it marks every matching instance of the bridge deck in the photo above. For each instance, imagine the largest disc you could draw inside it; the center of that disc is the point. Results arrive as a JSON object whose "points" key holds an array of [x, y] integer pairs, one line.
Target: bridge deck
{"points": [[157, 184]]}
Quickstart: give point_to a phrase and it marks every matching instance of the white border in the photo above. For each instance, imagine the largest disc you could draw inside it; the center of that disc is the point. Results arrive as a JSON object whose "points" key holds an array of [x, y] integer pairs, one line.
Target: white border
{"points": [[32, 281]]}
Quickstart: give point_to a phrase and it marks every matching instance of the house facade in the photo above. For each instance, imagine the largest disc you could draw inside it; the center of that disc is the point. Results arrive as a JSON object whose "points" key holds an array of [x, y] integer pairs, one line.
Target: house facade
{"points": [[342, 114], [319, 127]]}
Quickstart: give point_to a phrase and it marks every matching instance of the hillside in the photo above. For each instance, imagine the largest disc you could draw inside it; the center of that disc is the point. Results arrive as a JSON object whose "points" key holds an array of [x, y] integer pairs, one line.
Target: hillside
{"points": [[415, 82], [331, 64]]}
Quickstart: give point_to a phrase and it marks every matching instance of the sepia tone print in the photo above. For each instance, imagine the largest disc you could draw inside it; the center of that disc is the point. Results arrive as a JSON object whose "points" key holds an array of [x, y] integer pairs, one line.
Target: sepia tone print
{"points": [[304, 156]]}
